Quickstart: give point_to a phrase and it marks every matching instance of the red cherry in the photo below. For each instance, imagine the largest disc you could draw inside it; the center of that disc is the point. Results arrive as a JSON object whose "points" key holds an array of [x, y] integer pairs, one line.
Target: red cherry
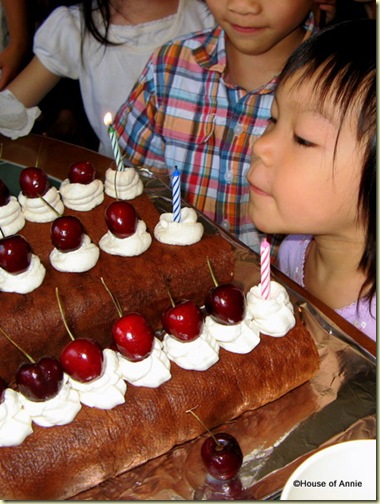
{"points": [[34, 182], [5, 195], [67, 233], [226, 303], [82, 172], [82, 359], [121, 219], [222, 456], [15, 254], [40, 381], [133, 336], [3, 387], [184, 321]]}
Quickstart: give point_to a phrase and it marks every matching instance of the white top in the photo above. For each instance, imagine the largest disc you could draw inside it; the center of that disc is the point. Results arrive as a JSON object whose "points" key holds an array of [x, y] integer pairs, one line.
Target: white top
{"points": [[107, 74]]}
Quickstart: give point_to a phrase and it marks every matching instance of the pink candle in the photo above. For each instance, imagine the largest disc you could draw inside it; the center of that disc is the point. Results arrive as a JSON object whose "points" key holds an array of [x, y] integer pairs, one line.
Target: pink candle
{"points": [[265, 269]]}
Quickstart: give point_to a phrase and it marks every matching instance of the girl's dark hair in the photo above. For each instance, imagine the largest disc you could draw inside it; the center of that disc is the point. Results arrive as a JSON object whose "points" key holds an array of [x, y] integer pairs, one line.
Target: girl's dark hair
{"points": [[341, 60], [91, 26]]}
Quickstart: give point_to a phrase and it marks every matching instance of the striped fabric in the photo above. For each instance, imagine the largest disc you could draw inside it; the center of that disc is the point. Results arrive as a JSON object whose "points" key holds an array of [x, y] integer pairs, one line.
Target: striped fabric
{"points": [[183, 113]]}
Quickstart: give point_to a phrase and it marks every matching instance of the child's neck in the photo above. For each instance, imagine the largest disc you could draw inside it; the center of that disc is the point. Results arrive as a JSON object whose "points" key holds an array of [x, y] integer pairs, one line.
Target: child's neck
{"points": [[253, 71], [131, 12], [331, 270]]}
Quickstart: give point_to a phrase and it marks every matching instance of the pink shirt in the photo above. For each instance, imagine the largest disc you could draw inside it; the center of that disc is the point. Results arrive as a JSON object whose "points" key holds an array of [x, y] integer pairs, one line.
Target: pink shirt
{"points": [[291, 261]]}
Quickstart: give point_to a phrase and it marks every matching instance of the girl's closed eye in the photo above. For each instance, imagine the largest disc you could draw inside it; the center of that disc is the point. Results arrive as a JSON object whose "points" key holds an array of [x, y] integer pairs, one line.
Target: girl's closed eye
{"points": [[303, 142]]}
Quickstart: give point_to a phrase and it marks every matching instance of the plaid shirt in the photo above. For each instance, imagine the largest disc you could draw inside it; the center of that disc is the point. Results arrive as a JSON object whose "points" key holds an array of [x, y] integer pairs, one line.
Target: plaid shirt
{"points": [[183, 113]]}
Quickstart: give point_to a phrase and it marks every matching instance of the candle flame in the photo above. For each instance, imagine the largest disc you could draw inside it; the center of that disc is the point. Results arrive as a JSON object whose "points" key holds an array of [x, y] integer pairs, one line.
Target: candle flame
{"points": [[108, 119]]}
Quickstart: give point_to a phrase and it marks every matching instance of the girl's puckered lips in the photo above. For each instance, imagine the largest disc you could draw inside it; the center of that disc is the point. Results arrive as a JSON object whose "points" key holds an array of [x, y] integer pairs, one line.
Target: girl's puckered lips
{"points": [[248, 30], [257, 190]]}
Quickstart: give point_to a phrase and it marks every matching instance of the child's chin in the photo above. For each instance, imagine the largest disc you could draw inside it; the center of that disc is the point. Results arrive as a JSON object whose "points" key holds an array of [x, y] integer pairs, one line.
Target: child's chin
{"points": [[259, 222]]}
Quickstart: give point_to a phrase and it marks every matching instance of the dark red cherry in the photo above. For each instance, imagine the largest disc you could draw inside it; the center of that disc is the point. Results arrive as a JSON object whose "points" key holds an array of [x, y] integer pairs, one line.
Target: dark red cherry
{"points": [[40, 381], [82, 172], [82, 359], [121, 219], [184, 321], [34, 182], [226, 304], [133, 336], [15, 254], [3, 387], [67, 233], [222, 456], [5, 195]]}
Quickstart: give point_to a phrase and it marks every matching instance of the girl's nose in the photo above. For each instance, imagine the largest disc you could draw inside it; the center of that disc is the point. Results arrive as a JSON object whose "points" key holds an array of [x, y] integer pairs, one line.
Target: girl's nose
{"points": [[244, 7], [263, 146]]}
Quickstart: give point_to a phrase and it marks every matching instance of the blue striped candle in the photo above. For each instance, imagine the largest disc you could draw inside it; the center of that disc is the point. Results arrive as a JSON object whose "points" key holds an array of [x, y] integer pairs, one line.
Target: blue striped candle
{"points": [[176, 195], [114, 142]]}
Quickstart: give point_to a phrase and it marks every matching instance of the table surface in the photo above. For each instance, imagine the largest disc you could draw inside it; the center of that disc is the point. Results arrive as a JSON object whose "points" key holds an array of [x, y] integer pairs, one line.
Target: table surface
{"points": [[336, 405]]}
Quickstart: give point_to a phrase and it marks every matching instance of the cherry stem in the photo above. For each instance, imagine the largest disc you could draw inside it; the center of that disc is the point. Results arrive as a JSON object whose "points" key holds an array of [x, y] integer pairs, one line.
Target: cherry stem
{"points": [[212, 273], [38, 154], [114, 183], [169, 293], [2, 232], [1, 150], [171, 298], [25, 354], [204, 426], [115, 301], [50, 206], [62, 314]]}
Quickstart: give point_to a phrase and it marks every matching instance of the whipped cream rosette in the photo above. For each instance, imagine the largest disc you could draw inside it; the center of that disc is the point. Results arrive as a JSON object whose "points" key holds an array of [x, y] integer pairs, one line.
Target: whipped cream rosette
{"points": [[123, 184], [15, 421], [73, 250], [238, 338], [12, 219], [59, 410], [150, 372], [23, 282], [185, 232], [131, 246], [82, 197], [106, 391], [76, 261], [41, 209], [197, 355], [273, 316]]}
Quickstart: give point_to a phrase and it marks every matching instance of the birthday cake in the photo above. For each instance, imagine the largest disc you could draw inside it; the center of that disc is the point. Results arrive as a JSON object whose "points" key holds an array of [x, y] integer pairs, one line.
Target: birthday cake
{"points": [[124, 418]]}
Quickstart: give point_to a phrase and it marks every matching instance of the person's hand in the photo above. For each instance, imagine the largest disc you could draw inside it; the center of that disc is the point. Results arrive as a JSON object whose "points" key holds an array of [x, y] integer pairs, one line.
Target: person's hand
{"points": [[325, 11]]}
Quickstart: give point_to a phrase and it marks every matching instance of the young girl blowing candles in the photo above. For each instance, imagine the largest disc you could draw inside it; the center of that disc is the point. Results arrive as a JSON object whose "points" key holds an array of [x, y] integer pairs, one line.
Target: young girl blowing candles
{"points": [[313, 174]]}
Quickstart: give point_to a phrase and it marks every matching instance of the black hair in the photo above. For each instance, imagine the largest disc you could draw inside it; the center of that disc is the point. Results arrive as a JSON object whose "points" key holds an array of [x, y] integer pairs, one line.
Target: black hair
{"points": [[91, 26], [341, 60]]}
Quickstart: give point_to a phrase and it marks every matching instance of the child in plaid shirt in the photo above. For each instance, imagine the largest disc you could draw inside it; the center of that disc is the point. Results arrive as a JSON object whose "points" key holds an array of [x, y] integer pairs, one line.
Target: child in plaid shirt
{"points": [[203, 99]]}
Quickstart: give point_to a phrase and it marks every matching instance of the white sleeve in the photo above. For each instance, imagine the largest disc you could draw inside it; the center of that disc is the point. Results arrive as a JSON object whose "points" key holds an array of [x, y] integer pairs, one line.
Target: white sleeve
{"points": [[15, 120], [57, 42]]}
